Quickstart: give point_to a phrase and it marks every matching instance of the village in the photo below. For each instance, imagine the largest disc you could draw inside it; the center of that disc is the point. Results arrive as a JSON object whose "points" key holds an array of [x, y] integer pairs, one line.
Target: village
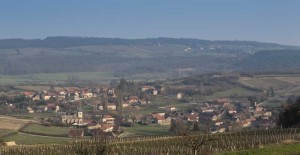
{"points": [[113, 111]]}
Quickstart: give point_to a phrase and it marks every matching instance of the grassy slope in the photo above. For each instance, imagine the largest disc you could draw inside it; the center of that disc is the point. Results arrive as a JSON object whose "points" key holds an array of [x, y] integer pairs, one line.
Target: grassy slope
{"points": [[275, 81], [270, 150], [233, 92], [147, 130], [44, 77], [32, 139], [51, 131], [4, 132], [62, 77]]}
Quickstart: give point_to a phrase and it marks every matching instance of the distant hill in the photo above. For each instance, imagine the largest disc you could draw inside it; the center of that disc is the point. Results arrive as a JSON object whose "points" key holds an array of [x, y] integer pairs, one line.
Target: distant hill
{"points": [[271, 61], [61, 42], [137, 56]]}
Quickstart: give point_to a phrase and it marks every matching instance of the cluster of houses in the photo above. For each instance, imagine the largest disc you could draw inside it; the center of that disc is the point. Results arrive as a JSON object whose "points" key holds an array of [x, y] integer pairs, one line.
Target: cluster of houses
{"points": [[70, 93], [222, 114], [103, 127], [218, 115]]}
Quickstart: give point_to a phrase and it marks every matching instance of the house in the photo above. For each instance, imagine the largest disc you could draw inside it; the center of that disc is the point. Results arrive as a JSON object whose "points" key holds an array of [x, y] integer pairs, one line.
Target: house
{"points": [[11, 143], [76, 133], [167, 121], [36, 97], [214, 118], [246, 123], [57, 108], [226, 104], [154, 92], [232, 110], [267, 113], [259, 108], [222, 130], [257, 114], [219, 123], [111, 106], [29, 94], [207, 110], [30, 110], [144, 102], [74, 96], [72, 118], [179, 95], [111, 92], [107, 127], [125, 104], [47, 96], [133, 99], [93, 125], [62, 94], [161, 120], [160, 113], [86, 93], [108, 119], [171, 109], [193, 118], [146, 88]]}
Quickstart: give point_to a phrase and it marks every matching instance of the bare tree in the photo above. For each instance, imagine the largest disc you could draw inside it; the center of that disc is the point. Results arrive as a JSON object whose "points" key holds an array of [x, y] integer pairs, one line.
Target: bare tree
{"points": [[196, 142]]}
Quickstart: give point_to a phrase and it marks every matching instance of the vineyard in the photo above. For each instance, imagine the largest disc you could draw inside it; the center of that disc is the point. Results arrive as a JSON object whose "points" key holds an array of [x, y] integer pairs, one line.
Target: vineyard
{"points": [[195, 144]]}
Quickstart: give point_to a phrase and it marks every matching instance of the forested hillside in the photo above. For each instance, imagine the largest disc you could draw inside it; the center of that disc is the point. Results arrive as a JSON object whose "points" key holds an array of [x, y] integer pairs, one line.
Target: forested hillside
{"points": [[271, 61], [137, 56]]}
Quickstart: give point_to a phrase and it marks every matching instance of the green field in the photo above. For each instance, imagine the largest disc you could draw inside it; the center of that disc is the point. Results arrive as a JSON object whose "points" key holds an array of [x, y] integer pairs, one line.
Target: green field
{"points": [[291, 149], [43, 130], [34, 116], [4, 132], [233, 92], [26, 139], [147, 130], [44, 77], [275, 81]]}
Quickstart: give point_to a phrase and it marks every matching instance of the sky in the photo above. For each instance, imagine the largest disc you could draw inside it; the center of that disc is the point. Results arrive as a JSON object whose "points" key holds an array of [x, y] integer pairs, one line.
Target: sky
{"points": [[274, 21]]}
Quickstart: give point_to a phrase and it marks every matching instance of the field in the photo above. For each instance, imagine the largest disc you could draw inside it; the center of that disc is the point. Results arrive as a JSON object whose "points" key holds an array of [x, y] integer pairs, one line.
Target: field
{"points": [[284, 86], [49, 131], [32, 117], [45, 78], [246, 142], [233, 92], [12, 123], [57, 77], [290, 149], [27, 139], [147, 130], [5, 132], [276, 81]]}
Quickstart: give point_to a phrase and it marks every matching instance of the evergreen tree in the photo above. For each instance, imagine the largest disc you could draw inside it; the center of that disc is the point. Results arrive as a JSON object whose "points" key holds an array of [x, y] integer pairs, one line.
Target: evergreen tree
{"points": [[104, 100], [196, 126], [289, 116]]}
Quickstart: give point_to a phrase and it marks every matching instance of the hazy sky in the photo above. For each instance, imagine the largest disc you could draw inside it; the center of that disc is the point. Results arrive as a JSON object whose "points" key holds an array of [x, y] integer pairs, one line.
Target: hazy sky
{"points": [[261, 20]]}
